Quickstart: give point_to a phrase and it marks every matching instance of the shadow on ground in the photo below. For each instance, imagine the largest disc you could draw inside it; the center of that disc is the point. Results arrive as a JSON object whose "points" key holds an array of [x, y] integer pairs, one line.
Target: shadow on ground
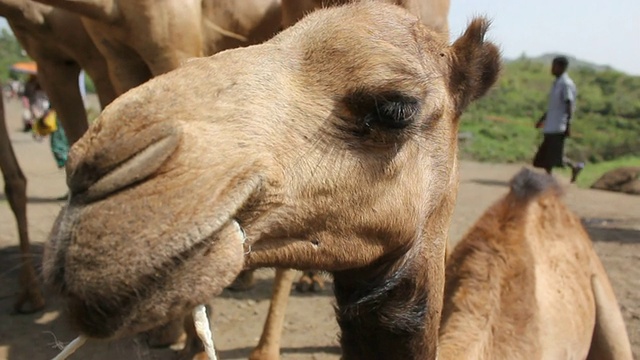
{"points": [[243, 353], [38, 199], [263, 288], [607, 230], [490, 182]]}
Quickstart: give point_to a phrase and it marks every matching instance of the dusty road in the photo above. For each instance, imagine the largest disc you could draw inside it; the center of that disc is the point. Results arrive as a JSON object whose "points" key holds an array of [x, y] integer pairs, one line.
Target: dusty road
{"points": [[612, 219]]}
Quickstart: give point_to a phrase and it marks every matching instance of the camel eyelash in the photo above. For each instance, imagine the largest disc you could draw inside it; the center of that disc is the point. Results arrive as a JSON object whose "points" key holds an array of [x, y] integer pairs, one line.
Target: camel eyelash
{"points": [[391, 110]]}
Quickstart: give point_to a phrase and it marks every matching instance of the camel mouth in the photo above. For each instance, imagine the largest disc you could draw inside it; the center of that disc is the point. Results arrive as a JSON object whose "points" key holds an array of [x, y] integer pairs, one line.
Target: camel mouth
{"points": [[164, 274], [155, 298]]}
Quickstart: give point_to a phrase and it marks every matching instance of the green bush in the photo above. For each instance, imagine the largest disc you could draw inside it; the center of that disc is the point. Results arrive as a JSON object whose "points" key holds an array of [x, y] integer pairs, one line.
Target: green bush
{"points": [[10, 53], [606, 124]]}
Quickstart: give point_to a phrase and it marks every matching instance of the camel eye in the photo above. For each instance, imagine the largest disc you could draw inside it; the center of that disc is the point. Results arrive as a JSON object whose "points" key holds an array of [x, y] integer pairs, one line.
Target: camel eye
{"points": [[384, 111]]}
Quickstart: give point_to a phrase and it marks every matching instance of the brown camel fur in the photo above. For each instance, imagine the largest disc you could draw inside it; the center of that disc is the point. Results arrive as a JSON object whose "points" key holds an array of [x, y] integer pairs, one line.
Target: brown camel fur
{"points": [[56, 40], [343, 160], [525, 283], [144, 38], [433, 14]]}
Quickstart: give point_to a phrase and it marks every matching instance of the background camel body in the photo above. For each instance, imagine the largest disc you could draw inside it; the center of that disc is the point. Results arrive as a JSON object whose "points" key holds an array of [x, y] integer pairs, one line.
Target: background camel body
{"points": [[56, 40], [344, 160], [61, 47], [142, 39], [433, 13], [525, 283]]}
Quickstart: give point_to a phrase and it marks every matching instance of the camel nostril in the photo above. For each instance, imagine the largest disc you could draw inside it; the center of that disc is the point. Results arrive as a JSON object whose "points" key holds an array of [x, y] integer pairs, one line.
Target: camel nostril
{"points": [[123, 162], [135, 169]]}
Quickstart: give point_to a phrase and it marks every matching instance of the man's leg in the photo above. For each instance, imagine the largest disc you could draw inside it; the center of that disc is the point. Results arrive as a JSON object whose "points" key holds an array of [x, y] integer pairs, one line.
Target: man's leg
{"points": [[576, 167]]}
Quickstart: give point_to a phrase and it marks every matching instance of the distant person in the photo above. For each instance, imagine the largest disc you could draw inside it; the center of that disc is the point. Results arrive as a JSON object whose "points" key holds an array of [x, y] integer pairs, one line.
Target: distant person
{"points": [[44, 122], [556, 121], [14, 89], [34, 101]]}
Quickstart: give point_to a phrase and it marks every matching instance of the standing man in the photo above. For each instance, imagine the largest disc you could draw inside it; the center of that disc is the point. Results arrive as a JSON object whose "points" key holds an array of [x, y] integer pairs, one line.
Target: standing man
{"points": [[556, 122]]}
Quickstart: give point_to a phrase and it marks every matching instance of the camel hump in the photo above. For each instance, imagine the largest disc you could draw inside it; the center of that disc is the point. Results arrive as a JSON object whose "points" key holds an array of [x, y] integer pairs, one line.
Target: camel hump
{"points": [[528, 184]]}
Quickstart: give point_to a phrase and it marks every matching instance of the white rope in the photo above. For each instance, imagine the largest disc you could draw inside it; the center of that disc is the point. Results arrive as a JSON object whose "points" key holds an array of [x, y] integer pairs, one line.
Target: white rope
{"points": [[204, 330], [71, 348], [224, 32]]}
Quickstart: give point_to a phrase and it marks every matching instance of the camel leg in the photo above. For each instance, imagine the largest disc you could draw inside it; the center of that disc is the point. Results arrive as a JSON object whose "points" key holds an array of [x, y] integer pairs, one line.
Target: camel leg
{"points": [[610, 339], [60, 82], [16, 192], [99, 73], [310, 281], [244, 281], [269, 346], [126, 69]]}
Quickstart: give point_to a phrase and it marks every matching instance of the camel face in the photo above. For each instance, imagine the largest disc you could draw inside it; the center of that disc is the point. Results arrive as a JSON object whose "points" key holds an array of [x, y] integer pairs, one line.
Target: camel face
{"points": [[326, 147]]}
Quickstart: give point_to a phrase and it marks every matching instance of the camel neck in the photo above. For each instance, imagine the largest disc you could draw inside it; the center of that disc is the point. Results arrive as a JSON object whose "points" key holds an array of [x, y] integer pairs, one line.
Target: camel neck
{"points": [[386, 312]]}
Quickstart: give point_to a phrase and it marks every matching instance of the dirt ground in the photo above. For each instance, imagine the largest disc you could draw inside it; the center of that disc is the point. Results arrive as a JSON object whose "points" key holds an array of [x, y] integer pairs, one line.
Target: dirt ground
{"points": [[612, 219]]}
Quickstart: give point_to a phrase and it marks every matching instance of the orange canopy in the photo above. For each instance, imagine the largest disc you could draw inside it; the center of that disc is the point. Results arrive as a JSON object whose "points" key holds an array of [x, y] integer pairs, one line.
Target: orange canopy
{"points": [[25, 67]]}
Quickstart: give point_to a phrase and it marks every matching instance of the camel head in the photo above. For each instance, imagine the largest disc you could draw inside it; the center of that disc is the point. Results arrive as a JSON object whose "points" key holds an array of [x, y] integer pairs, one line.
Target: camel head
{"points": [[326, 147]]}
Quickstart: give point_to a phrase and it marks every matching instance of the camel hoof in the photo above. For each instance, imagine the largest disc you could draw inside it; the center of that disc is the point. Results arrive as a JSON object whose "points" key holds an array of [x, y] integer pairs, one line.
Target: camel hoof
{"points": [[317, 285], [310, 282], [243, 282], [29, 303], [304, 284]]}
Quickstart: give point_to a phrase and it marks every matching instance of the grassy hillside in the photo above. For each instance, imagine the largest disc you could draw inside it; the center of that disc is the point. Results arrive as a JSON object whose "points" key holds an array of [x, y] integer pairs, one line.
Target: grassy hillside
{"points": [[606, 125], [546, 59]]}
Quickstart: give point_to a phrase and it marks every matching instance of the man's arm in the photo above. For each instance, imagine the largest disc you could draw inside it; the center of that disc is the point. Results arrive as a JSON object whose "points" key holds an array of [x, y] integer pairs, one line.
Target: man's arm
{"points": [[569, 111], [541, 120], [569, 98]]}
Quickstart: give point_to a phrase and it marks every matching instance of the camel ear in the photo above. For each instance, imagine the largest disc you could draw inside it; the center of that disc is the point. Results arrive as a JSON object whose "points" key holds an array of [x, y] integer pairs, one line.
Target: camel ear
{"points": [[475, 64]]}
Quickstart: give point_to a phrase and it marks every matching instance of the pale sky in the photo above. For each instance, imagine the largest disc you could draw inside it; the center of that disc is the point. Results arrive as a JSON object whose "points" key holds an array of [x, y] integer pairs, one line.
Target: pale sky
{"points": [[602, 32]]}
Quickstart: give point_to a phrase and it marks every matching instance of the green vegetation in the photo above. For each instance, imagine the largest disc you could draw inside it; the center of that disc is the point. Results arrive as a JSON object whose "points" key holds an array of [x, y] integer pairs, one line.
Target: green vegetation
{"points": [[10, 53], [606, 124]]}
